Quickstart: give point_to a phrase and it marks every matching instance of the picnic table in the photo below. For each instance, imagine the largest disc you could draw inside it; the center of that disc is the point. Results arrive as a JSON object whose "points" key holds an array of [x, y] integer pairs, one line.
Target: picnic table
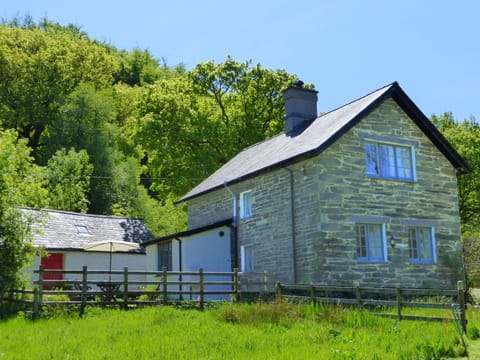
{"points": [[108, 290]]}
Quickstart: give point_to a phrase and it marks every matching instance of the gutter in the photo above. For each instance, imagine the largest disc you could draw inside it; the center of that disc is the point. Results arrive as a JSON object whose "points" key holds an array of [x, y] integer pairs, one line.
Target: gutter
{"points": [[293, 225], [234, 233], [180, 266]]}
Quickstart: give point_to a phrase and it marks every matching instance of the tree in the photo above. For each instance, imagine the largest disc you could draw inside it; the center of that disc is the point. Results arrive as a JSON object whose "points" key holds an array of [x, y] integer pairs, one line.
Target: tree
{"points": [[85, 122], [39, 67], [68, 180], [20, 185], [465, 138], [190, 126], [138, 68]]}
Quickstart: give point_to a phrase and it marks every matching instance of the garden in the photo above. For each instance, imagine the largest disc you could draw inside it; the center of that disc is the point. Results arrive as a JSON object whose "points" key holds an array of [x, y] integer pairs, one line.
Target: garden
{"points": [[225, 330]]}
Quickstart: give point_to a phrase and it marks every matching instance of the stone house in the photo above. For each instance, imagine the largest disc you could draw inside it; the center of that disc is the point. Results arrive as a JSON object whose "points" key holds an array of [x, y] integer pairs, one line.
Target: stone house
{"points": [[365, 194]]}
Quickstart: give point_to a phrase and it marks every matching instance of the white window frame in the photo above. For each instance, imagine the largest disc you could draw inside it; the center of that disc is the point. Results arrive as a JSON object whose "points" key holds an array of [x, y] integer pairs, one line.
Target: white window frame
{"points": [[247, 258], [246, 200], [391, 165], [363, 249], [415, 253]]}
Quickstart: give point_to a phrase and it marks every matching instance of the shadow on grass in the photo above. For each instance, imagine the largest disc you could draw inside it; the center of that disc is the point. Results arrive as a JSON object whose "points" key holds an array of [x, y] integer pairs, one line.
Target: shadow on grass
{"points": [[8, 310]]}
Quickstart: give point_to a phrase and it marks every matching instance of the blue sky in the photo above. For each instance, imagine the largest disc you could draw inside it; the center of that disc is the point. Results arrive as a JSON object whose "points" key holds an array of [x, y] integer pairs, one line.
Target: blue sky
{"points": [[347, 48]]}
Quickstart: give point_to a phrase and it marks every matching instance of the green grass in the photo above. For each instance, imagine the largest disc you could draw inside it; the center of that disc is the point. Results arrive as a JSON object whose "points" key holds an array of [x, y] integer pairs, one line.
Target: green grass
{"points": [[231, 331]]}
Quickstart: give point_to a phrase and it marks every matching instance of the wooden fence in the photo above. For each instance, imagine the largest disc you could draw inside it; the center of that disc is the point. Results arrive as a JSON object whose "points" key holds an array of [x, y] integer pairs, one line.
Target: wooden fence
{"points": [[127, 289], [380, 299]]}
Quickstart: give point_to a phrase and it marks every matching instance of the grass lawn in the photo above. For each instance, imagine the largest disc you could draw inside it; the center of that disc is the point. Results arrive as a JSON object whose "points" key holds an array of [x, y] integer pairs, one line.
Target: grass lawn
{"points": [[230, 331]]}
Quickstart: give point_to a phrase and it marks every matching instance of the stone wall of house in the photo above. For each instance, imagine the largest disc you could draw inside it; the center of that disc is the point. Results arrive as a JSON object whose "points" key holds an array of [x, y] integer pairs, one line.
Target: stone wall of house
{"points": [[210, 208], [268, 230], [331, 193]]}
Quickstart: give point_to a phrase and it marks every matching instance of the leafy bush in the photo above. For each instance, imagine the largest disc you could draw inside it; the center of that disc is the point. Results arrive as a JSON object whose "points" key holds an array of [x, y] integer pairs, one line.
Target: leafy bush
{"points": [[278, 312]]}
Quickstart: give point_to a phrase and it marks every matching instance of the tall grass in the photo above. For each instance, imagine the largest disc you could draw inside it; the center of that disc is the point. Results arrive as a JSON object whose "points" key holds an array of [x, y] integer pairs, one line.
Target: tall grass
{"points": [[278, 330]]}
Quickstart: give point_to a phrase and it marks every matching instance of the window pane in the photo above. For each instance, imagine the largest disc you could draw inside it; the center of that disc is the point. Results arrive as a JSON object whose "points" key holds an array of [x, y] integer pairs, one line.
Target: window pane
{"points": [[246, 204], [375, 244], [165, 256], [370, 242], [421, 244], [424, 238], [389, 161], [247, 258], [404, 166], [361, 241], [412, 240], [386, 161], [371, 159]]}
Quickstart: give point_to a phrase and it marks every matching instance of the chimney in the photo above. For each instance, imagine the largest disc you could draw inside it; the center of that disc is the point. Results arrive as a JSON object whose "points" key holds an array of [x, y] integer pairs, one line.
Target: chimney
{"points": [[300, 107]]}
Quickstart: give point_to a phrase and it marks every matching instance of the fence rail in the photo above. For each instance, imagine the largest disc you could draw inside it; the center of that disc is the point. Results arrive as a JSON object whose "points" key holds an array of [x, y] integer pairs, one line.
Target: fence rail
{"points": [[126, 288], [379, 298]]}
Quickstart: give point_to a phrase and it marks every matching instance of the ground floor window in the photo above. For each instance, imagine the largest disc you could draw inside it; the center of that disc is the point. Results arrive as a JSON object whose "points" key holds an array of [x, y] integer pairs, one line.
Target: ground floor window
{"points": [[247, 260], [165, 256], [371, 246], [421, 241]]}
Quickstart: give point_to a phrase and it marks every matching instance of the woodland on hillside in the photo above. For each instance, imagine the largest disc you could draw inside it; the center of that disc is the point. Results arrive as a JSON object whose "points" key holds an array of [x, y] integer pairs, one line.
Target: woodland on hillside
{"points": [[117, 132], [87, 127]]}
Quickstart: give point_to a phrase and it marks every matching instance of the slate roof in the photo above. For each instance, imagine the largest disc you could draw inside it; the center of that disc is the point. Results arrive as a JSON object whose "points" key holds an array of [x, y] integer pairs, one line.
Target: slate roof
{"points": [[182, 234], [281, 150], [63, 230]]}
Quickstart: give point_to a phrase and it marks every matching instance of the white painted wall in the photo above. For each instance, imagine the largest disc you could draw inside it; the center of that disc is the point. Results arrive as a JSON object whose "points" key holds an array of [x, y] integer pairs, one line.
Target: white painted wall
{"points": [[208, 250], [211, 252], [75, 260]]}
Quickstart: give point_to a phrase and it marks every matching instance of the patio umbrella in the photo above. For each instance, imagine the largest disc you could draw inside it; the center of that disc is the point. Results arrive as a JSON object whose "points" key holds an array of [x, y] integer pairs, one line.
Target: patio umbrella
{"points": [[111, 246]]}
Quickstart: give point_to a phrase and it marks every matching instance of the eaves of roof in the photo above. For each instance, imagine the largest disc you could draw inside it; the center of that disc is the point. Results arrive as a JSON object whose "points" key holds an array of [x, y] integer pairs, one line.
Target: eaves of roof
{"points": [[318, 136], [182, 234]]}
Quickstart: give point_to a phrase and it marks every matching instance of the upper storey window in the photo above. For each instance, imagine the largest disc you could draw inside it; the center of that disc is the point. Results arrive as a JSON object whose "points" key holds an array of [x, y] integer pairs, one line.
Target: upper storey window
{"points": [[245, 204], [389, 161]]}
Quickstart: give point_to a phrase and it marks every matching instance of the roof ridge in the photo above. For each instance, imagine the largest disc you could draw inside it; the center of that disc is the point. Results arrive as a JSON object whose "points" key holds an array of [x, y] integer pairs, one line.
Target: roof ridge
{"points": [[66, 212], [392, 84], [279, 150]]}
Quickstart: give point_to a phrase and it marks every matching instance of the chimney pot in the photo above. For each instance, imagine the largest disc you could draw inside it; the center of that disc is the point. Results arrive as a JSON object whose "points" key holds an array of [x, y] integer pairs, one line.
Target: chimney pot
{"points": [[298, 83]]}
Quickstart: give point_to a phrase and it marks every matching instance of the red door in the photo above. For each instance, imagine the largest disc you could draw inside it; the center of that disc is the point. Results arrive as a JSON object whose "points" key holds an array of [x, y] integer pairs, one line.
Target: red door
{"points": [[54, 261]]}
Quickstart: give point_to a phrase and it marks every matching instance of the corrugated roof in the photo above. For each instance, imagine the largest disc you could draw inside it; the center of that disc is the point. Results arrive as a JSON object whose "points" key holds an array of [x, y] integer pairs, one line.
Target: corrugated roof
{"points": [[282, 149], [69, 230]]}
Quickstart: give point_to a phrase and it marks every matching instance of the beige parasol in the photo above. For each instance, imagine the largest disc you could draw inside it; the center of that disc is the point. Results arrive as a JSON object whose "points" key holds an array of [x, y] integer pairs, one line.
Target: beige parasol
{"points": [[111, 246]]}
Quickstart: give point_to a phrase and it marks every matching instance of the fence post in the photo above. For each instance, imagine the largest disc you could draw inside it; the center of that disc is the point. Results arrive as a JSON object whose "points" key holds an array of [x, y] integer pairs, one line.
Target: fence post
{"points": [[236, 286], [125, 287], [40, 289], [83, 295], [23, 295], [399, 301], [461, 304], [36, 304], [202, 290], [164, 285], [278, 289]]}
